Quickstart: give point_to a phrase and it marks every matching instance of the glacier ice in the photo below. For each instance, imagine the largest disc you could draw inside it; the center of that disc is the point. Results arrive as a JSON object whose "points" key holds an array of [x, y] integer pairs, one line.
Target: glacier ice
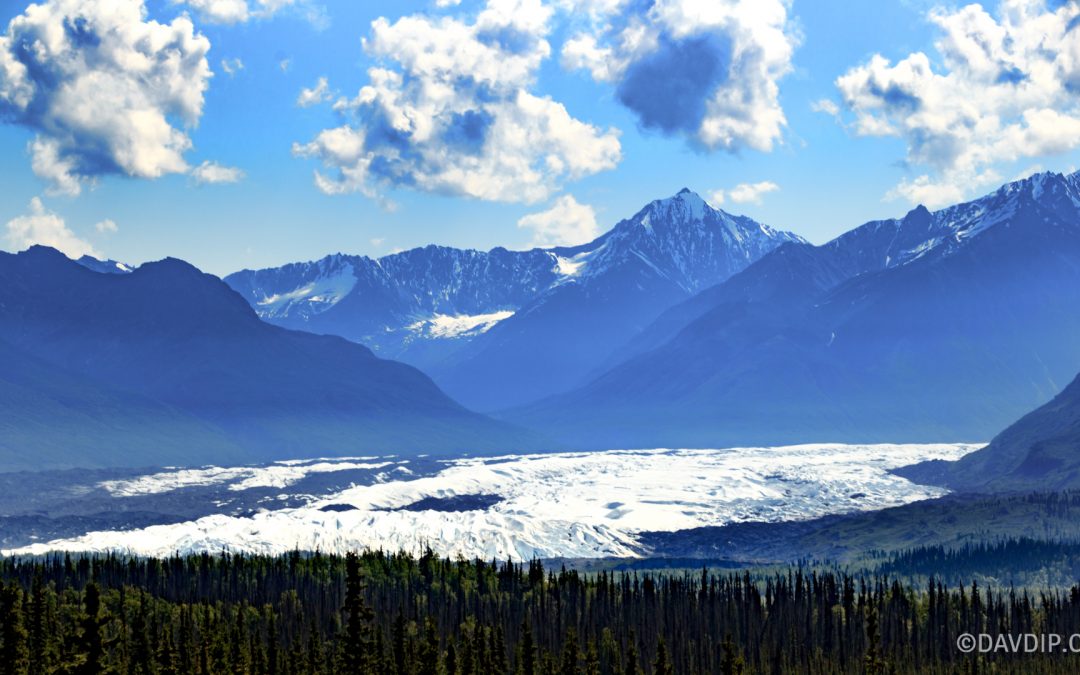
{"points": [[575, 504]]}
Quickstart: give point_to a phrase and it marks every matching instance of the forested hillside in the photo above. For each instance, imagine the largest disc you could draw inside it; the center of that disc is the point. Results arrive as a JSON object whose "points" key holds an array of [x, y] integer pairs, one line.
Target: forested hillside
{"points": [[380, 613]]}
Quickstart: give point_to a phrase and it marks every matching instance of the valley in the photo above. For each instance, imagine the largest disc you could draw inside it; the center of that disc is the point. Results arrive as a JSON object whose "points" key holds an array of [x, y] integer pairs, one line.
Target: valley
{"points": [[520, 507]]}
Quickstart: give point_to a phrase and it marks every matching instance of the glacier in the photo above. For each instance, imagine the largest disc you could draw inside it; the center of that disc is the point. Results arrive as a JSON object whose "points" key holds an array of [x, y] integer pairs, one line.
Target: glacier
{"points": [[571, 504]]}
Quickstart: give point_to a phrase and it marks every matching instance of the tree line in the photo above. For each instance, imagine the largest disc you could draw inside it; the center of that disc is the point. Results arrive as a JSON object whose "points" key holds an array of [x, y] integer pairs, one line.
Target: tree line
{"points": [[393, 614]]}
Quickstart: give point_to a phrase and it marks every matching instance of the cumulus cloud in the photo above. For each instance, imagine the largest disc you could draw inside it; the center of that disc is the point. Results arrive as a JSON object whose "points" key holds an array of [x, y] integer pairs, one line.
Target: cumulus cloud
{"points": [[210, 173], [44, 227], [566, 223], [103, 87], [1006, 89], [744, 193], [320, 93], [707, 71], [107, 226], [450, 110]]}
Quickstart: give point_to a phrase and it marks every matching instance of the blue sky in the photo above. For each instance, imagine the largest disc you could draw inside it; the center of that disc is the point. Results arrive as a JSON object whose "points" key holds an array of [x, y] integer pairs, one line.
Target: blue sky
{"points": [[810, 116]]}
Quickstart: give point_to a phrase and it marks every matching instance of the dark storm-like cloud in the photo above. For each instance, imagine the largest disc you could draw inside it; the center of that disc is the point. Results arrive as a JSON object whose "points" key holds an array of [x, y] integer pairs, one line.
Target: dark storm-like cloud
{"points": [[708, 72], [670, 89]]}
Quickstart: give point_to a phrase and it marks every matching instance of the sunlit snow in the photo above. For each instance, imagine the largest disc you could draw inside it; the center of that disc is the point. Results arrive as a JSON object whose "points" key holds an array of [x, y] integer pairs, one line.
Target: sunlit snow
{"points": [[280, 475], [324, 292], [566, 504], [445, 326]]}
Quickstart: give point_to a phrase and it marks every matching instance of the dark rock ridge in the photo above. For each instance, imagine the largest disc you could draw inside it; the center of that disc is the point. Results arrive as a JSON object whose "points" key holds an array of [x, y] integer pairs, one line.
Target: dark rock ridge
{"points": [[167, 365]]}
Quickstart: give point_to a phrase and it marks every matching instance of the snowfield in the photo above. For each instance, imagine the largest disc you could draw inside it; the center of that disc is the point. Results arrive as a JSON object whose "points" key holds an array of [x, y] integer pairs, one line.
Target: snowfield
{"points": [[585, 505], [445, 326], [278, 474]]}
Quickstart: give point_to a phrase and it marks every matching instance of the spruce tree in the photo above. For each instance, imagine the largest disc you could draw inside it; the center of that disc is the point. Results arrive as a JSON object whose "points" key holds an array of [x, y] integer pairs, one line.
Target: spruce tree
{"points": [[632, 662], [357, 647], [140, 660], [568, 665], [39, 615], [398, 647], [730, 664], [872, 662], [527, 658], [592, 659], [429, 650], [662, 663], [498, 652], [167, 657], [90, 642], [450, 666], [14, 654]]}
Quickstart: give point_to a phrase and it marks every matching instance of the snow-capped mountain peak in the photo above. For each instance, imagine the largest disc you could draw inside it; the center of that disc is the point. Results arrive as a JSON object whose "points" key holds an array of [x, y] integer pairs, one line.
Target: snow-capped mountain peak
{"points": [[104, 266], [683, 239], [427, 304], [684, 207], [1046, 191], [1038, 200]]}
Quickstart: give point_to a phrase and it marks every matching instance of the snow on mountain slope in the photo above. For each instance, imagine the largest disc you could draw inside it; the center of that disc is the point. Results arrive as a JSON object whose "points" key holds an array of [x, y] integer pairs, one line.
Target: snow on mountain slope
{"points": [[443, 326], [569, 504], [682, 239], [425, 306], [936, 326], [610, 289], [895, 242], [398, 304], [103, 266], [318, 295]]}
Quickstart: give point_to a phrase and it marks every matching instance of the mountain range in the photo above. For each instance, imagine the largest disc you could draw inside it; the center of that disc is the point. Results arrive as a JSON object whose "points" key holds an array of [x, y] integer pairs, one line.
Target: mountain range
{"points": [[687, 326], [942, 326], [166, 365], [683, 326], [501, 328]]}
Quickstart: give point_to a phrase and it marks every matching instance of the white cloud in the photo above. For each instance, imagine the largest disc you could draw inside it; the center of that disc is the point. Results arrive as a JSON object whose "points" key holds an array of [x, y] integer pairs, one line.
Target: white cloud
{"points": [[60, 171], [826, 106], [102, 86], [744, 193], [315, 95], [923, 190], [107, 226], [236, 11], [1028, 172], [566, 223], [285, 64], [210, 173], [1005, 90], [46, 228], [708, 71], [232, 66], [450, 111], [219, 11]]}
